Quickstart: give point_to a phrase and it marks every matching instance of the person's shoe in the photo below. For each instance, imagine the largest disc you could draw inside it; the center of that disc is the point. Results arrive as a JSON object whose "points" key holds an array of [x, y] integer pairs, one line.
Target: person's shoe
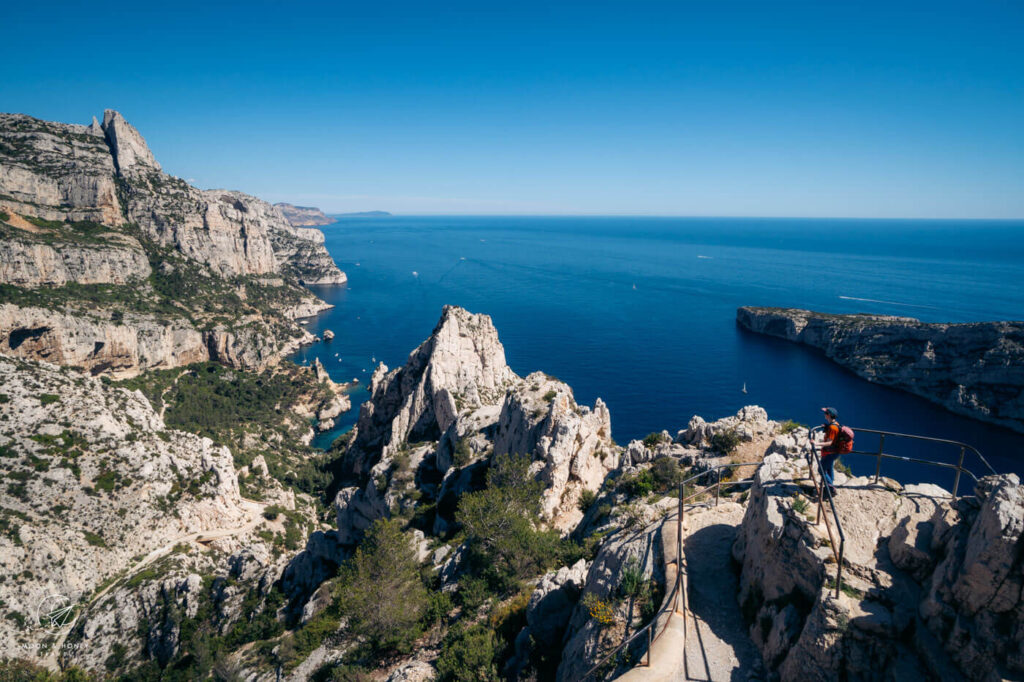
{"points": [[832, 490]]}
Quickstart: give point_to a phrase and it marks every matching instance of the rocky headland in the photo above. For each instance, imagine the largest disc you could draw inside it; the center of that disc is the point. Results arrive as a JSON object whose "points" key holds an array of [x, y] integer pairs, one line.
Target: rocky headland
{"points": [[974, 369], [303, 216]]}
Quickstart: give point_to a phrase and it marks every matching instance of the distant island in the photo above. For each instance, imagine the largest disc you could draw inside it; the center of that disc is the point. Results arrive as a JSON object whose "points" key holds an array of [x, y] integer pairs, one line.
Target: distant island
{"points": [[363, 214]]}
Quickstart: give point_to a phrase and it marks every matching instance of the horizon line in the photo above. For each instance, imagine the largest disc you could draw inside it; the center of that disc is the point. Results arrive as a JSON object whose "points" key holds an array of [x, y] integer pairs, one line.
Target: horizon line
{"points": [[354, 214]]}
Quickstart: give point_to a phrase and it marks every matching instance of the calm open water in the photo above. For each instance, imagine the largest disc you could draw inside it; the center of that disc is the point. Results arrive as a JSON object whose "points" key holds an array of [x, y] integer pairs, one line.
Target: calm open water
{"points": [[641, 311]]}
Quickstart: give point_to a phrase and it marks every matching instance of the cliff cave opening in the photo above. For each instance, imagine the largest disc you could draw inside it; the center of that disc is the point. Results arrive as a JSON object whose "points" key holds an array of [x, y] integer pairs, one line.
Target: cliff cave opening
{"points": [[20, 336]]}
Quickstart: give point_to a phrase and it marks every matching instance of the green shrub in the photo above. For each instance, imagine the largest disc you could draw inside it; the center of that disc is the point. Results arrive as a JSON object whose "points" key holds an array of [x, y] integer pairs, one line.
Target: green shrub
{"points": [[632, 583], [272, 512], [587, 500], [789, 426], [502, 524], [653, 440], [48, 398], [379, 588], [469, 655], [799, 504], [439, 605], [639, 484], [473, 592], [667, 472], [549, 396], [94, 539], [725, 441], [463, 454]]}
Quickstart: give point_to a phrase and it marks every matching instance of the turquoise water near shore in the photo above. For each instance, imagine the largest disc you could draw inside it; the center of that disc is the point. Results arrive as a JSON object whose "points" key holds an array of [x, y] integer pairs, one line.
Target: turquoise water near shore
{"points": [[641, 311]]}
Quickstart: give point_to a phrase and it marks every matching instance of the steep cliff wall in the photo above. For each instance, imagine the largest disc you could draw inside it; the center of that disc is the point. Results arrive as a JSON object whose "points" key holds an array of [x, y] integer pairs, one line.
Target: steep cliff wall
{"points": [[113, 265], [972, 369]]}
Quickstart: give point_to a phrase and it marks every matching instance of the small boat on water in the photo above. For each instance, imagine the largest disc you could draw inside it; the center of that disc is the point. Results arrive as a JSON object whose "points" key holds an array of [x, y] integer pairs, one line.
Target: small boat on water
{"points": [[744, 389]]}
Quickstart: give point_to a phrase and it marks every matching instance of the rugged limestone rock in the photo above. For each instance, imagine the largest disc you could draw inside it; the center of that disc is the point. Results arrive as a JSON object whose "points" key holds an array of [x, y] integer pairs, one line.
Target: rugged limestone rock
{"points": [[972, 369], [101, 212], [929, 583], [303, 216], [571, 444], [92, 476], [461, 365], [458, 397]]}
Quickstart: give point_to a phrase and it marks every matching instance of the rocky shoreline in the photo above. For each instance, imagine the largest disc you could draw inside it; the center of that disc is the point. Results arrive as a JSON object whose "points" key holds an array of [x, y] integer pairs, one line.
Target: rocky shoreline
{"points": [[973, 369]]}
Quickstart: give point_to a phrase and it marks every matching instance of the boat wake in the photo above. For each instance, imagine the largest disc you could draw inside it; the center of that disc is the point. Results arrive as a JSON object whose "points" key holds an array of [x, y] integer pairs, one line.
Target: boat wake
{"points": [[875, 300]]}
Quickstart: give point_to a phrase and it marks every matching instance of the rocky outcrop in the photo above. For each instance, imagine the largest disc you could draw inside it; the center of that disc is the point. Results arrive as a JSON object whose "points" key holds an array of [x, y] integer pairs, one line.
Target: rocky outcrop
{"points": [[460, 403], [461, 365], [974, 369], [588, 637], [551, 605], [571, 445], [303, 216], [929, 583]]}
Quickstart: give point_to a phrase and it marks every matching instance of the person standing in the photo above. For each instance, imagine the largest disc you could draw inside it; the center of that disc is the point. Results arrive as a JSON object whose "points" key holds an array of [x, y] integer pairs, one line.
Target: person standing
{"points": [[830, 447]]}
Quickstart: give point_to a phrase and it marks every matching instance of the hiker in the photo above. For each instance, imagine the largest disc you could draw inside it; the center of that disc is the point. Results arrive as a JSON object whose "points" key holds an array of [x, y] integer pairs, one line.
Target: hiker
{"points": [[837, 440]]}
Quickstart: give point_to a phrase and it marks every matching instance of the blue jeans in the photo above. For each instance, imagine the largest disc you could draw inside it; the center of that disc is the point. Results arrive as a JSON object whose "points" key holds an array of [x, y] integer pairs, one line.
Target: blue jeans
{"points": [[828, 463]]}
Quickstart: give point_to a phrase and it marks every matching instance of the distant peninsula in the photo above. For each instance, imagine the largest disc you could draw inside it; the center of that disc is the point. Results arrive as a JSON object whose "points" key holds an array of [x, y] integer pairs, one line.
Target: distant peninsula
{"points": [[363, 214], [303, 216], [974, 369]]}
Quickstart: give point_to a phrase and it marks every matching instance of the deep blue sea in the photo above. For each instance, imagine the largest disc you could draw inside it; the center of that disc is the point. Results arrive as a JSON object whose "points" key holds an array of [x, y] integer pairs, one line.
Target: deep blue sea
{"points": [[641, 311]]}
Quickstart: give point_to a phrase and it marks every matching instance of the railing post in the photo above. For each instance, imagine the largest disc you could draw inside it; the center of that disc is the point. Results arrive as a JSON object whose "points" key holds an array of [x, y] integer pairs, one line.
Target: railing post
{"points": [[649, 646], [839, 567], [679, 547], [718, 486], [959, 468], [878, 464]]}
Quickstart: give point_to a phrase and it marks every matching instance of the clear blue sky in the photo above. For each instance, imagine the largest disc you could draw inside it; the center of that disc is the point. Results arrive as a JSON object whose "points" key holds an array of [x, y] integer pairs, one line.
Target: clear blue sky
{"points": [[670, 108]]}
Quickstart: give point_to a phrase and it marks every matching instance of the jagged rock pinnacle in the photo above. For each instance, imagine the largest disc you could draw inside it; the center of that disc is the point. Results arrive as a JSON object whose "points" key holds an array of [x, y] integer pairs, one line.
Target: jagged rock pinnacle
{"points": [[127, 144]]}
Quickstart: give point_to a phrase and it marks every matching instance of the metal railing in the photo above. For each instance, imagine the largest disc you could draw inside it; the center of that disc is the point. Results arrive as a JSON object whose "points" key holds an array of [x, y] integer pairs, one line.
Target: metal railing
{"points": [[880, 454], [671, 603], [824, 492]]}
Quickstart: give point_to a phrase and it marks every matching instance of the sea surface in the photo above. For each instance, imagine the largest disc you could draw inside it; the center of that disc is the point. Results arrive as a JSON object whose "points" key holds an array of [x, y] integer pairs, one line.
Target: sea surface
{"points": [[641, 312]]}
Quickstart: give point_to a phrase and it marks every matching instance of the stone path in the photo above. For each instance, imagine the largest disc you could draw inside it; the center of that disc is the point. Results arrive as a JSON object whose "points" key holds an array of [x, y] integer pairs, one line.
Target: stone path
{"points": [[717, 644]]}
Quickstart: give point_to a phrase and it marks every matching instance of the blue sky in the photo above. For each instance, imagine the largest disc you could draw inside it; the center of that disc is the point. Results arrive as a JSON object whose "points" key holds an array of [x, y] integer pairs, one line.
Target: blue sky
{"points": [[861, 109]]}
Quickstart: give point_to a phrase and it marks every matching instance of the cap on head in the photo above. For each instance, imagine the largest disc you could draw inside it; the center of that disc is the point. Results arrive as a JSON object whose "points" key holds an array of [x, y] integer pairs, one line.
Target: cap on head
{"points": [[830, 412]]}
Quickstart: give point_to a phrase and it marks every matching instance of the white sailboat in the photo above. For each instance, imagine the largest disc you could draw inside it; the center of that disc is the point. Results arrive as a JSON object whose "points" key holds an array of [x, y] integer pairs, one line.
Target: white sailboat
{"points": [[744, 389]]}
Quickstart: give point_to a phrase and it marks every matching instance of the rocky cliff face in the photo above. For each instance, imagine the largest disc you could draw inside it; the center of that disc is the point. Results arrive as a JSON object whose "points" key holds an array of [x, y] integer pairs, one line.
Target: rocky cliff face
{"points": [[124, 347], [106, 173], [26, 261], [972, 369], [303, 216], [113, 265]]}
